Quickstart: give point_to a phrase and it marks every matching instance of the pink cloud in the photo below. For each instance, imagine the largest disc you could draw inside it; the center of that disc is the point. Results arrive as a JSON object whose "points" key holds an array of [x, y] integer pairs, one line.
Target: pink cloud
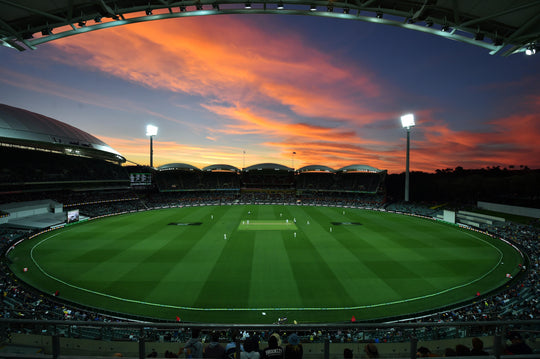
{"points": [[229, 61]]}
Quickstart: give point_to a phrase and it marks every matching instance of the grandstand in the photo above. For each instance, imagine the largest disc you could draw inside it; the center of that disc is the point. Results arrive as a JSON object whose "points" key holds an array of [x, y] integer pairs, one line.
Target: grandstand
{"points": [[43, 154], [185, 177], [268, 176]]}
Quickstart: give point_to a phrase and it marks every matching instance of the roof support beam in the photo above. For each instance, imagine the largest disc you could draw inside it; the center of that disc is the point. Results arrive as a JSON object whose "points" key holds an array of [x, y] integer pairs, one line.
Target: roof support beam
{"points": [[35, 11], [455, 8], [6, 26], [107, 8], [501, 13]]}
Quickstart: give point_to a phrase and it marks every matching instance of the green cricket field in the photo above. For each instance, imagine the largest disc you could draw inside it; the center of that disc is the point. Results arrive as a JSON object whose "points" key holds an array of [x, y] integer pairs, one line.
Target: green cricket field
{"points": [[258, 263]]}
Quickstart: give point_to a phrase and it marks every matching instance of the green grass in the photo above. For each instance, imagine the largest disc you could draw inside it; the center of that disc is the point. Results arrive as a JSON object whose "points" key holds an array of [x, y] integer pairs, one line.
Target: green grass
{"points": [[309, 271]]}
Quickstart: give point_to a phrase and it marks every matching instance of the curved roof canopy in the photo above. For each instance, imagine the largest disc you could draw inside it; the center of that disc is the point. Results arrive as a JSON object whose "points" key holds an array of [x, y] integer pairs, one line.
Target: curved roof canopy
{"points": [[359, 168], [268, 166], [315, 168], [22, 127], [221, 167], [501, 26], [177, 166]]}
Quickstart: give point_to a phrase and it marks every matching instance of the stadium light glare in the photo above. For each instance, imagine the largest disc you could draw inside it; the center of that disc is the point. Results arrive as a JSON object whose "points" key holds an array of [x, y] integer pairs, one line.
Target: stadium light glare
{"points": [[407, 121], [151, 130]]}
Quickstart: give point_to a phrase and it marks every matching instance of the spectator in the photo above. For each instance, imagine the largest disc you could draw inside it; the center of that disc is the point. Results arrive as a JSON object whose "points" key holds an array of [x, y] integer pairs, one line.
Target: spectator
{"points": [[194, 347], [230, 348], [273, 351], [449, 352], [424, 352], [294, 349], [518, 346], [347, 353], [478, 347], [251, 348], [371, 350], [214, 349], [462, 350]]}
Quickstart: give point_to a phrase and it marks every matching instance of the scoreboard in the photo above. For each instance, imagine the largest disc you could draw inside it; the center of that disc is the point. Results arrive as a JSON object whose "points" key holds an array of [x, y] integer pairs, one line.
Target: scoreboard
{"points": [[140, 179]]}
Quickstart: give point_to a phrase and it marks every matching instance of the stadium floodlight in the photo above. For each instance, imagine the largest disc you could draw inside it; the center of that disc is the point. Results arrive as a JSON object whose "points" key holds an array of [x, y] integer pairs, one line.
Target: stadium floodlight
{"points": [[151, 131], [407, 121]]}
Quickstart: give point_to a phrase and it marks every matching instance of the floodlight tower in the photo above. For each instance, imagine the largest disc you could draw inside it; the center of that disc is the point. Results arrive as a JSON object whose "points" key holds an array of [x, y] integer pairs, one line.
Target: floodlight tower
{"points": [[407, 121], [151, 131]]}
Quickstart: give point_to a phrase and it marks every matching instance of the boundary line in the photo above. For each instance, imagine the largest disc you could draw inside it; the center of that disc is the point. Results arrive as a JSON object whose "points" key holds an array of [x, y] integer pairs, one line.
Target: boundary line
{"points": [[263, 308]]}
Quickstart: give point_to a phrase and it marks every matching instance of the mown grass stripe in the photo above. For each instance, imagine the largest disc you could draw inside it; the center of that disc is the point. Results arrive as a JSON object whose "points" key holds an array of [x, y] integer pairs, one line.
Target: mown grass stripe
{"points": [[224, 219]]}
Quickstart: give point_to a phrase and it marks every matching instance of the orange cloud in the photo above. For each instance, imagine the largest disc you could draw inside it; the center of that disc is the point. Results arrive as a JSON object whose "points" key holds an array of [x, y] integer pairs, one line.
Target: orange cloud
{"points": [[292, 96], [229, 61], [507, 141], [276, 125]]}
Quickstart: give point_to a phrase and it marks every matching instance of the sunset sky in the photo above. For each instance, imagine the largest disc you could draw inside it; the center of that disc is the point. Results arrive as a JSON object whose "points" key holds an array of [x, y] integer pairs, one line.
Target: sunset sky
{"points": [[330, 90]]}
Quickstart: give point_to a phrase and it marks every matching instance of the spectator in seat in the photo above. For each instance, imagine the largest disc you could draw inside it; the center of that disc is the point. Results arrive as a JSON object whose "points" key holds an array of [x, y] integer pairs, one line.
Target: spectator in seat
{"points": [[194, 347], [251, 348], [273, 351], [450, 352], [294, 349], [518, 346], [214, 349], [424, 352], [478, 347], [371, 350], [462, 350]]}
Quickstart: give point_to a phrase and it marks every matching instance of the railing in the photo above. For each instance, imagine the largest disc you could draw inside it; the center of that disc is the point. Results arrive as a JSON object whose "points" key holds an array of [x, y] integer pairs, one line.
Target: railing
{"points": [[394, 340]]}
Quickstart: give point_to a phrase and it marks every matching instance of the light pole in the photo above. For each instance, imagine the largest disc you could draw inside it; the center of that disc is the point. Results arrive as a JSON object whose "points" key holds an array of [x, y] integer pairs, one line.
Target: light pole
{"points": [[407, 121], [151, 131], [292, 159]]}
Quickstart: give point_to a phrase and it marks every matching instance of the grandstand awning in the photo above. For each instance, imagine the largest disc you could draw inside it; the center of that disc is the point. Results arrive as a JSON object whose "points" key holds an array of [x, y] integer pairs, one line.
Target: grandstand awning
{"points": [[268, 166], [178, 166], [359, 168], [221, 167], [25, 128], [315, 168]]}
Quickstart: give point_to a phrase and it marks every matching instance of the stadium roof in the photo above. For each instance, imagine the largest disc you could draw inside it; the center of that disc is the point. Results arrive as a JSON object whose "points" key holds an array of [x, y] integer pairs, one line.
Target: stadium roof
{"points": [[268, 166], [501, 26], [359, 168], [25, 128], [315, 168], [221, 167], [177, 166]]}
